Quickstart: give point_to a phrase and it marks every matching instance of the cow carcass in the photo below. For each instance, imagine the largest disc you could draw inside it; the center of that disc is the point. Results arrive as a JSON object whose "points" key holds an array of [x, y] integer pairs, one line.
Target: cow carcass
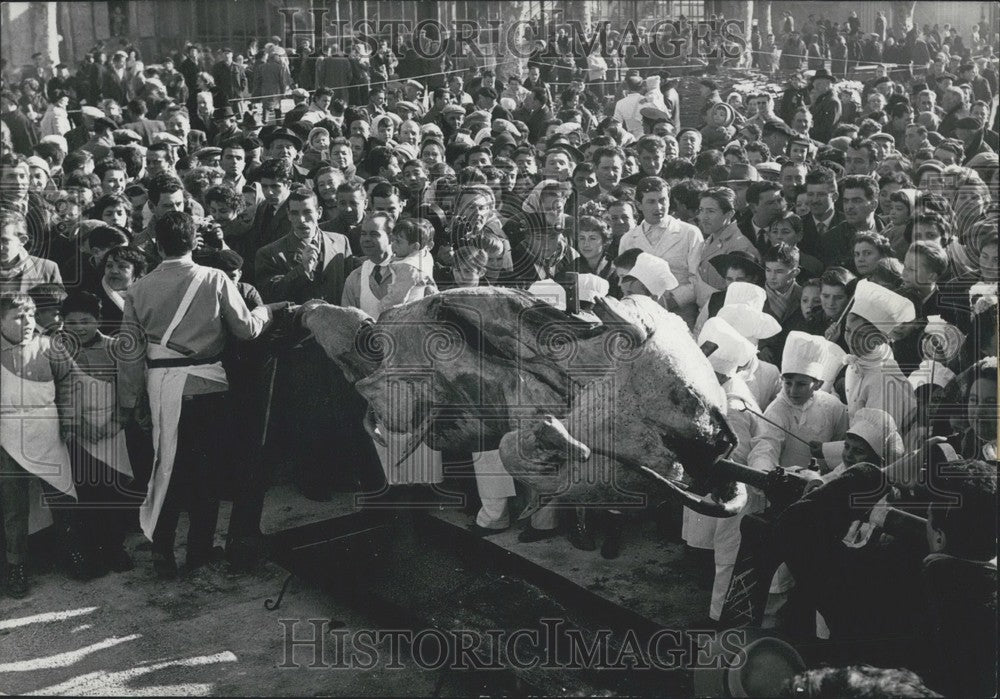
{"points": [[589, 411]]}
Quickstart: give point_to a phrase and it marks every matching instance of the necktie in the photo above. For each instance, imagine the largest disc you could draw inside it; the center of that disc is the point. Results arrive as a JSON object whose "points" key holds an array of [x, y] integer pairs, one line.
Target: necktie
{"points": [[377, 274], [820, 228]]}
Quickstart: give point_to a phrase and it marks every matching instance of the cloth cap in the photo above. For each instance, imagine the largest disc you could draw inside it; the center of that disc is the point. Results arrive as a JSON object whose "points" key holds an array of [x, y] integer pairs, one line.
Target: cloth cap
{"points": [[549, 291], [591, 286], [769, 171], [654, 273], [930, 371], [748, 294], [732, 349], [482, 135], [168, 138], [406, 151], [750, 323], [126, 136], [508, 103], [92, 112], [208, 152], [759, 669], [879, 431], [883, 308], [58, 140], [805, 354], [452, 109], [882, 136], [432, 128], [405, 104]]}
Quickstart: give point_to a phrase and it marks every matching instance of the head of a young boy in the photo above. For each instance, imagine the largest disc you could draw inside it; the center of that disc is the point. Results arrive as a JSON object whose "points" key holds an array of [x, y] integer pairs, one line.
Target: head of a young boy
{"points": [[787, 229], [82, 324], [409, 236], [17, 318], [781, 266], [861, 336], [633, 287], [48, 300], [858, 451], [811, 301], [799, 388]]}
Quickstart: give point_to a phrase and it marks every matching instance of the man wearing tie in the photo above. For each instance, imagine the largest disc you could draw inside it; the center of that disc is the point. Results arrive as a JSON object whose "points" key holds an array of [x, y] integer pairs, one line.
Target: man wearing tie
{"points": [[368, 284], [768, 206], [308, 263], [821, 186], [311, 263]]}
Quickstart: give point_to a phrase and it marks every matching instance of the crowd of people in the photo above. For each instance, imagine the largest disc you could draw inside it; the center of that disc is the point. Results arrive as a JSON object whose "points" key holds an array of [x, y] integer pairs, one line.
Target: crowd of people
{"points": [[836, 260]]}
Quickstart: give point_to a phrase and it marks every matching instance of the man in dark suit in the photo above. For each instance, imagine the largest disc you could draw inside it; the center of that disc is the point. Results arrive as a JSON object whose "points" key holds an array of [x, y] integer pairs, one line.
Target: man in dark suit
{"points": [[767, 204], [307, 263], [270, 222], [821, 186], [826, 109], [115, 83]]}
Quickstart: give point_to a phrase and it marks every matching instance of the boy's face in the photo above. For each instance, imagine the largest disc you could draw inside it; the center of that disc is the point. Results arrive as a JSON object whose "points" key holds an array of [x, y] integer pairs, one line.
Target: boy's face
{"points": [[810, 301], [221, 212], [414, 178], [783, 232], [18, 324], [779, 276], [634, 287], [802, 204], [858, 451], [49, 319], [861, 336], [584, 181], [401, 247], [83, 326], [833, 298], [799, 388]]}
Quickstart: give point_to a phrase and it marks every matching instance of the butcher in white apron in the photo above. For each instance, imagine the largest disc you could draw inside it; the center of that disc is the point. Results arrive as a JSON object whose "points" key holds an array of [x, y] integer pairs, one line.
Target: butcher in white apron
{"points": [[183, 311], [35, 418], [102, 471]]}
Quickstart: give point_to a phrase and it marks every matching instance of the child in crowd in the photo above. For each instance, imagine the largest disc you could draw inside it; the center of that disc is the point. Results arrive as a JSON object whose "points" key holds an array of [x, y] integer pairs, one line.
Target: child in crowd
{"points": [[874, 379], [102, 471], [781, 268], [647, 276], [36, 406], [788, 229], [743, 310], [48, 299]]}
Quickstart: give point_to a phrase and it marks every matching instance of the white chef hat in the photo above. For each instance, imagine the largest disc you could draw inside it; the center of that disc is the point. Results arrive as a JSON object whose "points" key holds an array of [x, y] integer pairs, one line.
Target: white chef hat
{"points": [[883, 308], [549, 291], [733, 350], [879, 430], [931, 371], [653, 83], [752, 324], [805, 354], [834, 362], [590, 287], [654, 273], [982, 296], [749, 294]]}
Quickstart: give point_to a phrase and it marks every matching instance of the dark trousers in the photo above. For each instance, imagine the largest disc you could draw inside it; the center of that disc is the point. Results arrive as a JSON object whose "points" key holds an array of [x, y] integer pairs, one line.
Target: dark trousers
{"points": [[199, 468], [15, 506], [107, 500]]}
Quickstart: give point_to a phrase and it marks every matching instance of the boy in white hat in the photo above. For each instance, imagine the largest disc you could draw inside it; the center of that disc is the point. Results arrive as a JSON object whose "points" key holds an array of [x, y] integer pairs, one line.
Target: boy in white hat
{"points": [[731, 350], [873, 378], [650, 276], [743, 309], [802, 410]]}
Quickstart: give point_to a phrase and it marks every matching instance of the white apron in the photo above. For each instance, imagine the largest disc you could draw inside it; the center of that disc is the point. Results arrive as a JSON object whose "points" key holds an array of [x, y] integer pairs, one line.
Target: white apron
{"points": [[422, 466], [369, 303], [34, 443], [698, 530], [495, 485], [99, 403], [29, 430], [166, 394]]}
